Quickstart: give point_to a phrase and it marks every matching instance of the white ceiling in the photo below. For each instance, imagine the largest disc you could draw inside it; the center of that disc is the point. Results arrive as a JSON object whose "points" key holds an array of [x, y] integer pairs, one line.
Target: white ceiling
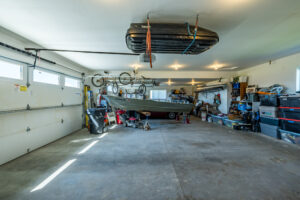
{"points": [[251, 31]]}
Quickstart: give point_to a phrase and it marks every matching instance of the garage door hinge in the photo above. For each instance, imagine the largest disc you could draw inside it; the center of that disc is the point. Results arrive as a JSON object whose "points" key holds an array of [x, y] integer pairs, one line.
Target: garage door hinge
{"points": [[28, 107], [62, 104]]}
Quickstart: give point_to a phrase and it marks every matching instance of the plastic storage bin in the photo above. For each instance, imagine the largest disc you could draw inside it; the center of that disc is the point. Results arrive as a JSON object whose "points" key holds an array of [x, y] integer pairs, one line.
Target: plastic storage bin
{"points": [[252, 97], [268, 111], [289, 101], [289, 112], [270, 121], [290, 125], [269, 100], [216, 119], [269, 130], [289, 136], [230, 123]]}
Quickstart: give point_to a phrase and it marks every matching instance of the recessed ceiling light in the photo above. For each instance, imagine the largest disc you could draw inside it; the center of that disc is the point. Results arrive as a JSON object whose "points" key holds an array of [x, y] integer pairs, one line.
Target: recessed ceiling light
{"points": [[170, 82], [193, 82], [216, 66], [176, 66], [136, 66]]}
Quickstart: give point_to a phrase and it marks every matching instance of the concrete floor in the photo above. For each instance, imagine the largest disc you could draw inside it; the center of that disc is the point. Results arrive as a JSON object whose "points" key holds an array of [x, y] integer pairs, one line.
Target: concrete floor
{"points": [[173, 161]]}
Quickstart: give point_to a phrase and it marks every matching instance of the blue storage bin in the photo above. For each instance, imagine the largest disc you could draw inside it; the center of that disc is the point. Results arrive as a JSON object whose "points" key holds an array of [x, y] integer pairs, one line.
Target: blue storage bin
{"points": [[291, 101], [217, 119], [289, 136], [269, 130], [290, 125], [289, 113], [270, 120], [230, 123], [269, 100]]}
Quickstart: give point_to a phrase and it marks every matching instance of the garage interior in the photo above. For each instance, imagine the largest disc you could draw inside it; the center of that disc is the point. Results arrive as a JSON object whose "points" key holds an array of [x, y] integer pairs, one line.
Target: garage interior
{"points": [[183, 100]]}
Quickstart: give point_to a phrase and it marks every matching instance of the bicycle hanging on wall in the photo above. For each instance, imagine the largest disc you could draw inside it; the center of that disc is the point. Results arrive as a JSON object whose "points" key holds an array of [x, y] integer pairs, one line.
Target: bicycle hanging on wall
{"points": [[126, 78], [98, 80]]}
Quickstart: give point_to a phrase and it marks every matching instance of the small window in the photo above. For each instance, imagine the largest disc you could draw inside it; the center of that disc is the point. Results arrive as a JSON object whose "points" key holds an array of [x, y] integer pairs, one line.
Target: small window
{"points": [[45, 77], [109, 88], [158, 94], [71, 82], [10, 70]]}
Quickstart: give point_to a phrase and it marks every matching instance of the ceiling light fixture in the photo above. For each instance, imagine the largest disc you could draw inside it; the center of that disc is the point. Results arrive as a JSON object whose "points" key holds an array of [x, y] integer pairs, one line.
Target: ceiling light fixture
{"points": [[193, 82], [169, 82], [216, 66], [176, 66], [136, 66]]}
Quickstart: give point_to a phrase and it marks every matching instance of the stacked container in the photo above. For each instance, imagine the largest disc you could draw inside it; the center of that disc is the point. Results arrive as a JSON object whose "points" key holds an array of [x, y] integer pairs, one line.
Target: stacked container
{"points": [[289, 115], [269, 122]]}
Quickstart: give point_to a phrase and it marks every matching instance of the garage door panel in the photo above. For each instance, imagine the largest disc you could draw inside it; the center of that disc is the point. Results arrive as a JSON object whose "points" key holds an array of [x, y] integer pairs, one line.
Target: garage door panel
{"points": [[71, 96], [45, 126], [12, 123], [24, 130], [13, 146], [45, 134], [72, 113], [45, 95], [11, 97]]}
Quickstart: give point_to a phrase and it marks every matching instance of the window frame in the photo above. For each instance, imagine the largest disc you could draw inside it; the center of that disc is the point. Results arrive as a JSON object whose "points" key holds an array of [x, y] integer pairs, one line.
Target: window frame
{"points": [[77, 79], [21, 67], [49, 72], [159, 99]]}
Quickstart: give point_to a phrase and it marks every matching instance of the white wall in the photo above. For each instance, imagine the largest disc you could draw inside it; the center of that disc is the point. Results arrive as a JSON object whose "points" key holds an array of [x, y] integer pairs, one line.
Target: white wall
{"points": [[45, 125], [281, 71], [209, 98]]}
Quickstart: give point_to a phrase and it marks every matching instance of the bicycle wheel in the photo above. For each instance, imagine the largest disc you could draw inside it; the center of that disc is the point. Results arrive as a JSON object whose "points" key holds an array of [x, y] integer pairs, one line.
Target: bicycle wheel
{"points": [[97, 80], [125, 78], [115, 87], [142, 89]]}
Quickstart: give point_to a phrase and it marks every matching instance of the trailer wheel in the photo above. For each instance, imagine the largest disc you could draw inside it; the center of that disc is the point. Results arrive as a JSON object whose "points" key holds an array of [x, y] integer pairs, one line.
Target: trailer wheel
{"points": [[172, 115]]}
